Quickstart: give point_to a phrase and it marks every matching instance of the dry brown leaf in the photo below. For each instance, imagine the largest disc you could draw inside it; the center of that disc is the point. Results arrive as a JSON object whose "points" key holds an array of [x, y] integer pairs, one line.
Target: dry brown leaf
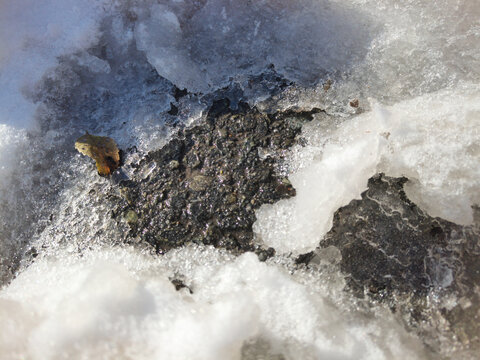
{"points": [[102, 149]]}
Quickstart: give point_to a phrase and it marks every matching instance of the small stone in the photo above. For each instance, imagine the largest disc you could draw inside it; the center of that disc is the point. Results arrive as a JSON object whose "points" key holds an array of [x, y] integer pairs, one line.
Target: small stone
{"points": [[174, 164], [327, 85], [231, 198], [354, 103], [179, 285], [200, 182], [131, 217], [262, 256], [125, 194]]}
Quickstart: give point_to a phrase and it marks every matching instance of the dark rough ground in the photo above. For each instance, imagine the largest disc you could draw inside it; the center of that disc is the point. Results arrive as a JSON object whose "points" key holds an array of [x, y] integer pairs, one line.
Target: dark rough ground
{"points": [[396, 254], [205, 184], [204, 187]]}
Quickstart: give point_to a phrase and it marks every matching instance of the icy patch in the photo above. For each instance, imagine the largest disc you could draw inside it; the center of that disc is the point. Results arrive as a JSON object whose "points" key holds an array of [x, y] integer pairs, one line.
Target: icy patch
{"points": [[119, 304], [33, 34], [205, 48], [432, 140], [10, 142]]}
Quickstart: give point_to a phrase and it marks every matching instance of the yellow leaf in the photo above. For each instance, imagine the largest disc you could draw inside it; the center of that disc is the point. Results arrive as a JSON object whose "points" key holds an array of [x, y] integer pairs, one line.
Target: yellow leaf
{"points": [[102, 149]]}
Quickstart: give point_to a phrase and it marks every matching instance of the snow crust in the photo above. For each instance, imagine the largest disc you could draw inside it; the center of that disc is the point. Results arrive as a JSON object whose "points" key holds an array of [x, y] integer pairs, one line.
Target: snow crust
{"points": [[120, 304], [433, 140]]}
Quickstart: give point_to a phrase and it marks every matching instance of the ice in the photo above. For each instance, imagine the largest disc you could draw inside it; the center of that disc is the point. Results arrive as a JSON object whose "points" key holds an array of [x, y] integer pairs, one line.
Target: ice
{"points": [[12, 142], [204, 48], [33, 35], [120, 304], [432, 140]]}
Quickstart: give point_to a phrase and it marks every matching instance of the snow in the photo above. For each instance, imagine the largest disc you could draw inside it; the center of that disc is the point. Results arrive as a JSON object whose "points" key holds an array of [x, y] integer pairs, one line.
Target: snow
{"points": [[120, 304]]}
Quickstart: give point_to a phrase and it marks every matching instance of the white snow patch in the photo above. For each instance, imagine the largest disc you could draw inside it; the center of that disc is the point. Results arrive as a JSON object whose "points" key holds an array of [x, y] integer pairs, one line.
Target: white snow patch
{"points": [[119, 304]]}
